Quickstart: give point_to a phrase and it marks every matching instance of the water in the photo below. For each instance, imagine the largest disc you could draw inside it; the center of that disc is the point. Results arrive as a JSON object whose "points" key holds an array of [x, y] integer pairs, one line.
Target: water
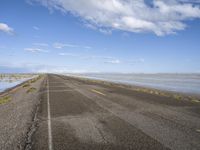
{"points": [[184, 83], [6, 83]]}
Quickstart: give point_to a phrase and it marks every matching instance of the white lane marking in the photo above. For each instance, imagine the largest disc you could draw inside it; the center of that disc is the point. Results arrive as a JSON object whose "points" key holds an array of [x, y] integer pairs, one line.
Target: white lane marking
{"points": [[60, 91], [56, 82], [58, 86], [49, 119]]}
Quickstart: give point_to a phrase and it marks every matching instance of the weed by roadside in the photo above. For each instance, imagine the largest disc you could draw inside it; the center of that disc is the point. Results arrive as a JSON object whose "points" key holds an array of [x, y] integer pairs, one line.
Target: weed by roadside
{"points": [[35, 79], [30, 90], [174, 96], [26, 85], [5, 99]]}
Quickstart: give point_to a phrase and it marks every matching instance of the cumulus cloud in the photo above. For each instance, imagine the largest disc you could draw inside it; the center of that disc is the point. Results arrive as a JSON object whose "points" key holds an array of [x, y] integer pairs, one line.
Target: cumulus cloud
{"points": [[35, 50], [158, 16], [5, 28]]}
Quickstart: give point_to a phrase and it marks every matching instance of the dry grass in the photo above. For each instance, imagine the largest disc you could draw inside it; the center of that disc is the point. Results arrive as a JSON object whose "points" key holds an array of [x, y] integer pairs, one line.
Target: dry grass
{"points": [[195, 100], [30, 90], [26, 85], [5, 99], [35, 79]]}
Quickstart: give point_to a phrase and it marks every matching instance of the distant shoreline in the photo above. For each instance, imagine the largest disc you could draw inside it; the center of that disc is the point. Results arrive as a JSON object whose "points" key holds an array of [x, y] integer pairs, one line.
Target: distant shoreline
{"points": [[142, 88], [24, 80], [184, 86], [6, 91]]}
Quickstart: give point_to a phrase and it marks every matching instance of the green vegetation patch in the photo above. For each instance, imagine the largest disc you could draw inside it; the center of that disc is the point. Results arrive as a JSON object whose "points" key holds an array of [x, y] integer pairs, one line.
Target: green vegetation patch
{"points": [[174, 96], [32, 89], [35, 79], [177, 97], [195, 100], [5, 99], [26, 85]]}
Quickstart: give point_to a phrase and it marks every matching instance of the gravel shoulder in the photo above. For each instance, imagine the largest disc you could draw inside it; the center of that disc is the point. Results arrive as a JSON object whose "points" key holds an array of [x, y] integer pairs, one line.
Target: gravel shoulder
{"points": [[17, 113]]}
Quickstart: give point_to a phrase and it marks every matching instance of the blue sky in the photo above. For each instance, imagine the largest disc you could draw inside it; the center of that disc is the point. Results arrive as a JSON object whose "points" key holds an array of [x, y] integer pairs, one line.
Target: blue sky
{"points": [[100, 36]]}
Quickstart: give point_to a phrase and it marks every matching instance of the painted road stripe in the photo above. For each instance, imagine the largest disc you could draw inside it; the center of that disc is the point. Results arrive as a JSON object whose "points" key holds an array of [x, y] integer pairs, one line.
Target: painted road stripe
{"points": [[54, 91], [95, 91], [49, 119], [58, 86], [198, 130], [196, 101]]}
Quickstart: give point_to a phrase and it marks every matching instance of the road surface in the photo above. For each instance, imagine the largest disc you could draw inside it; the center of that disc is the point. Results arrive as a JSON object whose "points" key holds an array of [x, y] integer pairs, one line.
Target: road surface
{"points": [[77, 114]]}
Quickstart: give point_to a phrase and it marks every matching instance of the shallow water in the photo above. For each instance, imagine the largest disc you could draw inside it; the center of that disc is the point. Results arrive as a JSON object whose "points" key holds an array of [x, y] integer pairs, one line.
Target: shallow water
{"points": [[9, 83], [185, 83]]}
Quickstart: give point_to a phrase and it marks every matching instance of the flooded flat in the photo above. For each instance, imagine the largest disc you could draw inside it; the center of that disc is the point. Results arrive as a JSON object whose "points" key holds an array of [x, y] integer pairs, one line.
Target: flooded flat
{"points": [[9, 81], [185, 83]]}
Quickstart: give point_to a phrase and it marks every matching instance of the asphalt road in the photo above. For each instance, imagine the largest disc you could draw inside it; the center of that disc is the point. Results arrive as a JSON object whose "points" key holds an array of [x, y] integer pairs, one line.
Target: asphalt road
{"points": [[76, 114]]}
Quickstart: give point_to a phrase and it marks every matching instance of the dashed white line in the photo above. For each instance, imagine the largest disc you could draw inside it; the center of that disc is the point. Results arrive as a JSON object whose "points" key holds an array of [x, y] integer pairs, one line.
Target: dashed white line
{"points": [[49, 119]]}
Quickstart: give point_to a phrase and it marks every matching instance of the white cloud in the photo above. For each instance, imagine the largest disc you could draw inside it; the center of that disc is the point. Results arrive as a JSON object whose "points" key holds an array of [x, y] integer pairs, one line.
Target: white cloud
{"points": [[87, 47], [59, 45], [41, 44], [36, 28], [5, 28], [67, 54], [90, 57], [160, 16], [116, 61], [38, 68], [62, 45], [35, 50], [135, 61], [59, 70]]}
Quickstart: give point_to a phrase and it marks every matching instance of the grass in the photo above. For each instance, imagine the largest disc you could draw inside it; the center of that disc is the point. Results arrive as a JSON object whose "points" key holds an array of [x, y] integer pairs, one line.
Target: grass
{"points": [[196, 100], [174, 96], [26, 85], [35, 79], [31, 81], [32, 89], [177, 97], [5, 99]]}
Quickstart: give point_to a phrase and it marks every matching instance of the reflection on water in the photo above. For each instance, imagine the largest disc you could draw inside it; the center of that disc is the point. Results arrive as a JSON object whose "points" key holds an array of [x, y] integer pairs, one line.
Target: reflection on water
{"points": [[187, 83], [4, 85], [8, 81]]}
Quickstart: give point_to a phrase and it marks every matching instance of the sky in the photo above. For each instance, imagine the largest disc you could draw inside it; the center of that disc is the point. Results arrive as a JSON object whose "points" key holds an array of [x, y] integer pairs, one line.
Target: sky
{"points": [[78, 36]]}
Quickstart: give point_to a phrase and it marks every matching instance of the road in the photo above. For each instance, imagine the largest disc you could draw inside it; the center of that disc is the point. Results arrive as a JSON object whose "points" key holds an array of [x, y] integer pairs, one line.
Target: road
{"points": [[77, 114]]}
